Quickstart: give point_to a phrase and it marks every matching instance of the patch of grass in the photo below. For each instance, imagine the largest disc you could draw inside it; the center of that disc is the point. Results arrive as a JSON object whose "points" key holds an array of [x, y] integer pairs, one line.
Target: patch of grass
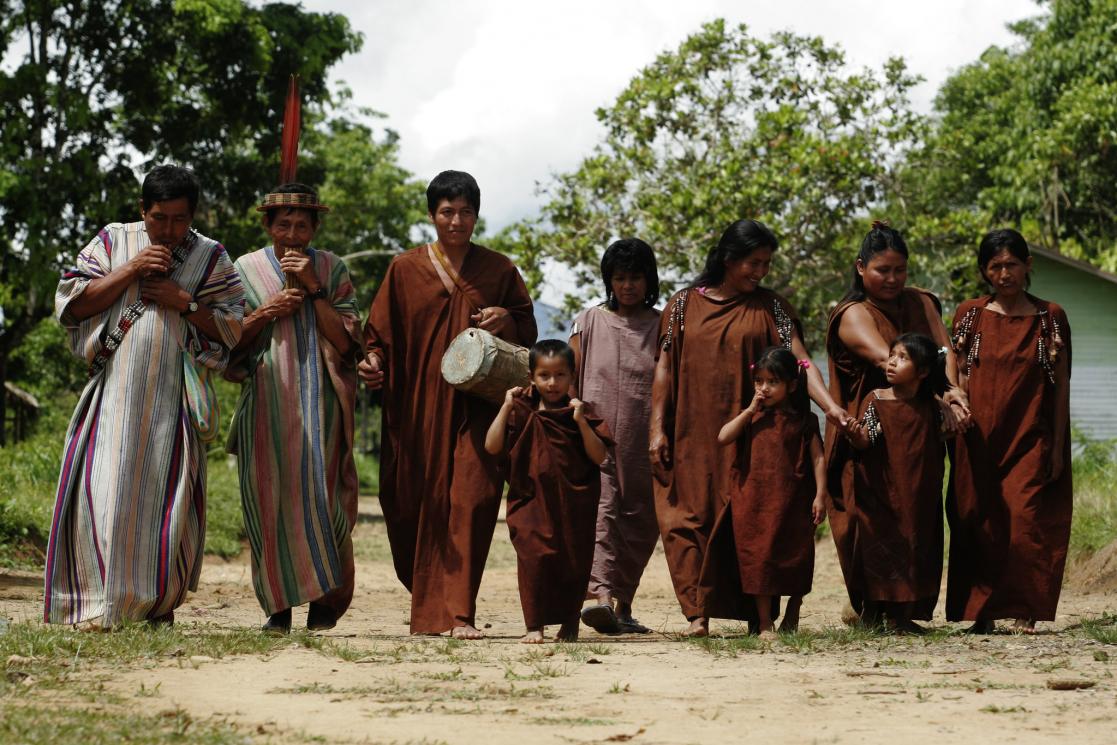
{"points": [[619, 687], [539, 671], [994, 709], [720, 646], [571, 721], [1094, 520], [48, 725], [1102, 629]]}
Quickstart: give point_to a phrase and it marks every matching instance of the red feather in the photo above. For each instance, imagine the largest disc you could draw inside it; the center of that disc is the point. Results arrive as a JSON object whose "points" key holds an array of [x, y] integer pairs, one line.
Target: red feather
{"points": [[292, 122]]}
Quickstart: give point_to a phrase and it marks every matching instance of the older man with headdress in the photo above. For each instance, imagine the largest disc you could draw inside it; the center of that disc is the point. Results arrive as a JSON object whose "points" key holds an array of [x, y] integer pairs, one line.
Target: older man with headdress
{"points": [[151, 307], [293, 428]]}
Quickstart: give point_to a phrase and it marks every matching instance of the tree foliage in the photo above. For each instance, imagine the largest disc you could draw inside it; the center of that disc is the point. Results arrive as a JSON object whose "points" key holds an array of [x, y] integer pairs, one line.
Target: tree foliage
{"points": [[725, 127], [1027, 136]]}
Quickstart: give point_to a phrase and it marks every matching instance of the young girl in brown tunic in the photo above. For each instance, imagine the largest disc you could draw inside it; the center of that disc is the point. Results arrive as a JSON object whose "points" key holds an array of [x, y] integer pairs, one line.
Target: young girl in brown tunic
{"points": [[779, 492], [897, 560], [554, 446], [1010, 502], [614, 344], [709, 334], [877, 308]]}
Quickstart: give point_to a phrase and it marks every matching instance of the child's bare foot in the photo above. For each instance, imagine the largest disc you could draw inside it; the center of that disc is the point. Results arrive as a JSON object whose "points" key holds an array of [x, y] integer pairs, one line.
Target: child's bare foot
{"points": [[699, 627], [533, 636], [568, 632], [790, 623], [982, 627], [1024, 626], [466, 631]]}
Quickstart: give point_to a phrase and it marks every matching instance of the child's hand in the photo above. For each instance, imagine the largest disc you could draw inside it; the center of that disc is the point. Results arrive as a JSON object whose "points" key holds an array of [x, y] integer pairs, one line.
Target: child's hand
{"points": [[818, 508], [578, 405], [756, 404], [511, 394]]}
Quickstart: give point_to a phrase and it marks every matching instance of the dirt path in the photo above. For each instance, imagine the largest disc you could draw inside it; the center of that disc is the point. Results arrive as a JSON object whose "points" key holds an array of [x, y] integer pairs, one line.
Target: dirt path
{"points": [[380, 685]]}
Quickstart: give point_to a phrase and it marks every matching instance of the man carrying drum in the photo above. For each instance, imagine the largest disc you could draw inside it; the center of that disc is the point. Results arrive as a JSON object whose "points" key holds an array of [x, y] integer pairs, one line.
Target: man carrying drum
{"points": [[439, 489]]}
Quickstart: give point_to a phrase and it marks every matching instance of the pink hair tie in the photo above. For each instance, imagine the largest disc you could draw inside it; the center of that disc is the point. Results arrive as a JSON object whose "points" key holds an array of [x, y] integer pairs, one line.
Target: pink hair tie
{"points": [[804, 364], [752, 366]]}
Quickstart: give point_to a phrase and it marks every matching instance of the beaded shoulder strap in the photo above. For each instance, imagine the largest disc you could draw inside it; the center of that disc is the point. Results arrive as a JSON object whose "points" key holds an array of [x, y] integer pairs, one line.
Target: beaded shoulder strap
{"points": [[784, 325], [966, 343], [676, 319]]}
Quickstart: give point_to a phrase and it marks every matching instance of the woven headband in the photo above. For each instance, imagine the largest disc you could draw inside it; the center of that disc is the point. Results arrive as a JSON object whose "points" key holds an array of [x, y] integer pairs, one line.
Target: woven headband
{"points": [[295, 201]]}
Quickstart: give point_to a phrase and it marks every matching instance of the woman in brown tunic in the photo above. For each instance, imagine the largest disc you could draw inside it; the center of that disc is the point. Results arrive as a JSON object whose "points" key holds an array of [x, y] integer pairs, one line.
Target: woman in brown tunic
{"points": [[876, 309], [709, 334], [1010, 505], [896, 565]]}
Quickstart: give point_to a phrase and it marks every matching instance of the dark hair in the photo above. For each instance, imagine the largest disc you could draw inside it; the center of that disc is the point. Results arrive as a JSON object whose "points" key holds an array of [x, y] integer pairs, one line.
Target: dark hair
{"points": [[291, 187], [880, 238], [451, 185], [630, 255], [780, 362], [738, 241], [928, 358], [1005, 239], [550, 348], [166, 182]]}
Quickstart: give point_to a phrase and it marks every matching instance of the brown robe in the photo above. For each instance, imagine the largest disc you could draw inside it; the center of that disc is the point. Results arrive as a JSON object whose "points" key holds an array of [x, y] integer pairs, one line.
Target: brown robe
{"points": [[767, 525], [898, 512], [851, 381], [1009, 525], [553, 489], [709, 382], [618, 364], [439, 490]]}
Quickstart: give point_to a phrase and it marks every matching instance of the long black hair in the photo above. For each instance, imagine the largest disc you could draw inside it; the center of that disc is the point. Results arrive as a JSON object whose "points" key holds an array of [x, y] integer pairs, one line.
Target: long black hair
{"points": [[630, 255], [1005, 239], [738, 241], [880, 238], [928, 357]]}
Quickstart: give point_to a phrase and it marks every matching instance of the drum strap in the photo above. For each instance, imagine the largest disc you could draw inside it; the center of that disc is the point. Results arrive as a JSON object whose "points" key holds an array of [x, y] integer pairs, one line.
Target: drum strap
{"points": [[449, 275]]}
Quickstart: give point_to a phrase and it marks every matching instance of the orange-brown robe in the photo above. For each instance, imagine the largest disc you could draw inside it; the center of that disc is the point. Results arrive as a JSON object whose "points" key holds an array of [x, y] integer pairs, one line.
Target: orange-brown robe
{"points": [[852, 379], [898, 512], [1009, 524], [709, 346], [553, 491], [767, 525], [439, 490]]}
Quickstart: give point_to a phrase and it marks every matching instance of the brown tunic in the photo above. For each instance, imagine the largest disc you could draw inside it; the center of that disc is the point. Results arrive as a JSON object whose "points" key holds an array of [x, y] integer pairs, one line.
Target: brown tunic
{"points": [[852, 379], [553, 489], [710, 345], [618, 364], [439, 490], [767, 522], [1009, 525], [898, 512]]}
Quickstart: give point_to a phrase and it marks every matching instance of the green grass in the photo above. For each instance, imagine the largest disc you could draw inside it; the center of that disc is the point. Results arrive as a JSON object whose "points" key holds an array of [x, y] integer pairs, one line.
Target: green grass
{"points": [[1094, 521], [1103, 629], [50, 724]]}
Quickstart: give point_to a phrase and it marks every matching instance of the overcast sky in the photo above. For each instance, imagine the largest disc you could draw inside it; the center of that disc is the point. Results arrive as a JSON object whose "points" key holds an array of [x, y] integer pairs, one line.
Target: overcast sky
{"points": [[506, 89]]}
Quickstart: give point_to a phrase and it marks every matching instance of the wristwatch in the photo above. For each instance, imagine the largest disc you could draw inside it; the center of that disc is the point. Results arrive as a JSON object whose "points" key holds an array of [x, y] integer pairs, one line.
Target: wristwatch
{"points": [[318, 294], [191, 307]]}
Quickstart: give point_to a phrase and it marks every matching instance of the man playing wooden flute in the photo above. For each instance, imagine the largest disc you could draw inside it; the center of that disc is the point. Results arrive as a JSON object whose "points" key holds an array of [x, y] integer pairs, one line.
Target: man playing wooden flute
{"points": [[439, 489], [293, 428]]}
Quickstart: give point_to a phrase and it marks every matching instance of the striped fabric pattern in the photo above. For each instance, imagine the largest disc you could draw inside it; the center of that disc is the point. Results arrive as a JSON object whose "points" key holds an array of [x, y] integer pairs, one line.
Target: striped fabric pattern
{"points": [[292, 434], [129, 518]]}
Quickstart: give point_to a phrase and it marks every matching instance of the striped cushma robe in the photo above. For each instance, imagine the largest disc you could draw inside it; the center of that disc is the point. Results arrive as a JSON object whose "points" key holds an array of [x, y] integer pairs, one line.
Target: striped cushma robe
{"points": [[293, 437], [128, 531]]}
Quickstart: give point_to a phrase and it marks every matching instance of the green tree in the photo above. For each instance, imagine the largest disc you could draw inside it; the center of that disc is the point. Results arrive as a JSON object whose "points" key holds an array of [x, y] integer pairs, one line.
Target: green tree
{"points": [[99, 91], [725, 127], [1027, 136]]}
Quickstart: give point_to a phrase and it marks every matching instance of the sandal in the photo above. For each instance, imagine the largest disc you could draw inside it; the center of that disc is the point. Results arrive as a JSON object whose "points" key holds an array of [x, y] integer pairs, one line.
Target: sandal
{"points": [[601, 618]]}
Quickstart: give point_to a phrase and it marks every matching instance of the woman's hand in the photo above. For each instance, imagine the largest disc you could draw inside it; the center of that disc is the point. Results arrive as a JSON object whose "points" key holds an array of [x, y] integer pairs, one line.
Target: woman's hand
{"points": [[840, 418], [959, 404], [370, 372], [818, 508]]}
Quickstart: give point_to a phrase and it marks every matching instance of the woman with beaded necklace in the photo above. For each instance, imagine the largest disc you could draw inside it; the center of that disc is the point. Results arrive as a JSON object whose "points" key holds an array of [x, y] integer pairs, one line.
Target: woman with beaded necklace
{"points": [[1010, 501], [710, 332]]}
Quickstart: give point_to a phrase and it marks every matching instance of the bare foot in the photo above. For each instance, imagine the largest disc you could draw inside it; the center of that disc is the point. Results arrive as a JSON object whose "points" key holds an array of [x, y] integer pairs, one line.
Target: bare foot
{"points": [[906, 626], [533, 636], [982, 627], [466, 631], [769, 635], [699, 627], [1024, 626], [568, 632], [790, 623]]}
